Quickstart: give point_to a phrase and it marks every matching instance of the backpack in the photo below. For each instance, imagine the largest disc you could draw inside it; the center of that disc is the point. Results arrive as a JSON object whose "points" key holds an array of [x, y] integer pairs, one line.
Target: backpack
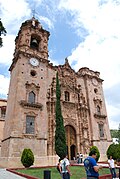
{"points": [[58, 168]]}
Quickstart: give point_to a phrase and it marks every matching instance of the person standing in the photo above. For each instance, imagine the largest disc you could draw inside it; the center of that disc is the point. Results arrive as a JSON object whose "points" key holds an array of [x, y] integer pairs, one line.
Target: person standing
{"points": [[111, 164], [91, 166], [81, 158], [78, 158], [64, 168]]}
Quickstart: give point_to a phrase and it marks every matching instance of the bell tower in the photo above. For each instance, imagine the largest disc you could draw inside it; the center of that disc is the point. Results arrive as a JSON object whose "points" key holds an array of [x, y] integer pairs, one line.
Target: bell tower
{"points": [[32, 39], [26, 115]]}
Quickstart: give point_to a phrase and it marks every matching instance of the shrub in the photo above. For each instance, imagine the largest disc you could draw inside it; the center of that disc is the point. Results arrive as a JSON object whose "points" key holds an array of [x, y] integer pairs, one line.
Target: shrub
{"points": [[114, 151], [111, 151], [94, 148], [27, 158]]}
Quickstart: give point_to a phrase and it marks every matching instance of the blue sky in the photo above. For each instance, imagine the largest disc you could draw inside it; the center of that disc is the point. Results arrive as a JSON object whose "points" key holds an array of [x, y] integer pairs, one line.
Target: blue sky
{"points": [[87, 32]]}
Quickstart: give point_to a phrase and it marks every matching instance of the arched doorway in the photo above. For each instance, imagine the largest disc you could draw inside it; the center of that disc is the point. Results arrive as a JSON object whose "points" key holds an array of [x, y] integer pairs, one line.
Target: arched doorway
{"points": [[71, 141]]}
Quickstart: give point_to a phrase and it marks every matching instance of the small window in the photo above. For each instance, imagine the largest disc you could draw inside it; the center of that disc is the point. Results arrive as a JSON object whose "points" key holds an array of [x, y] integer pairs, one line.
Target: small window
{"points": [[3, 113], [52, 92], [67, 96], [33, 73], [95, 90], [98, 110], [30, 124], [101, 130], [31, 98]]}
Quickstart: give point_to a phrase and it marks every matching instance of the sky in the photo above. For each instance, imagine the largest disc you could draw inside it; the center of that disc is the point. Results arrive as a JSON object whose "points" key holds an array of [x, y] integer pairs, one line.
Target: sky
{"points": [[86, 32]]}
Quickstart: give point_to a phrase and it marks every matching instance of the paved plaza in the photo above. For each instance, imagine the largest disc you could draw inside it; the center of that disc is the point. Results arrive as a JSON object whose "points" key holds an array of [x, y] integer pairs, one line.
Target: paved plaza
{"points": [[4, 174]]}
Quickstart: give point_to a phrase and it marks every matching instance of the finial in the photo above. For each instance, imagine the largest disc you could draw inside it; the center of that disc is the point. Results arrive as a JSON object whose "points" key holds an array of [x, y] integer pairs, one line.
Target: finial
{"points": [[33, 18], [33, 12], [66, 60]]}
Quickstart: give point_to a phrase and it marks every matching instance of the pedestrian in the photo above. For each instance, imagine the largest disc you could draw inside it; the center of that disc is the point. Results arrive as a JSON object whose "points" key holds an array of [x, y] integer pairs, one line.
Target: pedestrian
{"points": [[81, 157], [78, 158], [64, 168], [111, 164], [91, 166]]}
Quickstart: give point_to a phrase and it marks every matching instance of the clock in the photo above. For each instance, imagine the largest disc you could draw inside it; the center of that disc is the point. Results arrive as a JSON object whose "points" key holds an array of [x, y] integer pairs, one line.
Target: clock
{"points": [[34, 62], [94, 81]]}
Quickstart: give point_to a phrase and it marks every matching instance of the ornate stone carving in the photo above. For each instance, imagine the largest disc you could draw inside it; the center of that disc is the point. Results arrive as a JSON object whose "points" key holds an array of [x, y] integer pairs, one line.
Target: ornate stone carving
{"points": [[31, 105]]}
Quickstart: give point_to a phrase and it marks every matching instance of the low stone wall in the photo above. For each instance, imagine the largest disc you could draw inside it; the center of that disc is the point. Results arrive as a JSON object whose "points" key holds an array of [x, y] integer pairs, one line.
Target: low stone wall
{"points": [[105, 176], [15, 162]]}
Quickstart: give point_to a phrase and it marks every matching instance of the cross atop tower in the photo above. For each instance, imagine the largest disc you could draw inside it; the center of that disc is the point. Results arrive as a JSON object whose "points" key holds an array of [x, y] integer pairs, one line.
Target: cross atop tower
{"points": [[34, 12]]}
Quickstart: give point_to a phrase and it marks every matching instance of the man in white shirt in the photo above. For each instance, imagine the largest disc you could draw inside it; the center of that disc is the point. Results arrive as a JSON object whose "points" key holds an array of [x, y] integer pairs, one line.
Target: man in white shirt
{"points": [[64, 168], [112, 167]]}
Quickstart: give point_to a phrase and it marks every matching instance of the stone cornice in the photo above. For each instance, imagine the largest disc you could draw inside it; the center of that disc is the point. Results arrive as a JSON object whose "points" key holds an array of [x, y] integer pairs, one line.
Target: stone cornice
{"points": [[100, 116], [24, 103]]}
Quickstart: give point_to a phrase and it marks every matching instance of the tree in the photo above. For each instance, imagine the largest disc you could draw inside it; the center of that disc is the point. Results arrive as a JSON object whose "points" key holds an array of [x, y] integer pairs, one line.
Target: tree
{"points": [[60, 138], [113, 133], [2, 32], [94, 148], [118, 135], [111, 151], [27, 158], [114, 151]]}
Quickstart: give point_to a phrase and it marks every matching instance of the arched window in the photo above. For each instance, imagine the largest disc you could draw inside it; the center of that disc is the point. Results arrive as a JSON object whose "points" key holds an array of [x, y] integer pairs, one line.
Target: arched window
{"points": [[67, 96], [98, 109], [34, 43], [31, 97]]}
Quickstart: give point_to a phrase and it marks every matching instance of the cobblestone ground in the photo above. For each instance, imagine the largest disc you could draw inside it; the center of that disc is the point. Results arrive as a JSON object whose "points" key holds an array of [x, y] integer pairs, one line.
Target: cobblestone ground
{"points": [[4, 174]]}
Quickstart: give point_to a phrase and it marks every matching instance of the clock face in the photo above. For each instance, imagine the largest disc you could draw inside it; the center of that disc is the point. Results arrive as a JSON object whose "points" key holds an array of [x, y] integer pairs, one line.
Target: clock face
{"points": [[94, 81], [34, 62]]}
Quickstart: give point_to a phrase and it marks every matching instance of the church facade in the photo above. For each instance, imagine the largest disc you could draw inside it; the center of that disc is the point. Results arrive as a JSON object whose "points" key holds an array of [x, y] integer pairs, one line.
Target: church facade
{"points": [[30, 114]]}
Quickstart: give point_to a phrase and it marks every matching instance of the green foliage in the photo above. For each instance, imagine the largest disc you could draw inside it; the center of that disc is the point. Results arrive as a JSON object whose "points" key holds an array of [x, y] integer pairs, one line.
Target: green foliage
{"points": [[94, 148], [2, 31], [113, 133], [114, 151], [27, 158], [60, 138], [118, 135]]}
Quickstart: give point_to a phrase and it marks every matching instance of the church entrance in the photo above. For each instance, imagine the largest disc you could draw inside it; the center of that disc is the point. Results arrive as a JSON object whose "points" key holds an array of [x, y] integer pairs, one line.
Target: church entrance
{"points": [[71, 141]]}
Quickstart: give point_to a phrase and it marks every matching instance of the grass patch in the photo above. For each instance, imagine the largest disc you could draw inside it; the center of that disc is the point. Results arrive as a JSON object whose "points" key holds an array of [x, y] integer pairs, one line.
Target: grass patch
{"points": [[78, 172]]}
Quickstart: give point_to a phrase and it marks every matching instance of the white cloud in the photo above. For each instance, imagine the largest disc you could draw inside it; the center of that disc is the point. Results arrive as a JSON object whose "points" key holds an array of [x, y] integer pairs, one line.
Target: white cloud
{"points": [[112, 113], [6, 52], [14, 10], [47, 21], [99, 55], [4, 84], [100, 49]]}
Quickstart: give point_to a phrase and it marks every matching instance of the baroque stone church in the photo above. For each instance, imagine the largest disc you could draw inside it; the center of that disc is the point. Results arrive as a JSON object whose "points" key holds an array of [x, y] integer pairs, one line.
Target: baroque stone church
{"points": [[30, 114]]}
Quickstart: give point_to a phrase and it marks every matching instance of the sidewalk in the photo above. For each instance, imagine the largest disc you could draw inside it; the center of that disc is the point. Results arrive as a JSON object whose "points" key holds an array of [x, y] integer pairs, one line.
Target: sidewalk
{"points": [[4, 174]]}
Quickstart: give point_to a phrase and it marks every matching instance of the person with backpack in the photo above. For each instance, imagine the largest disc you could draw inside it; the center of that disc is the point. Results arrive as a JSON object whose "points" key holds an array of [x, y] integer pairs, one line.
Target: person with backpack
{"points": [[91, 166], [64, 168], [58, 167]]}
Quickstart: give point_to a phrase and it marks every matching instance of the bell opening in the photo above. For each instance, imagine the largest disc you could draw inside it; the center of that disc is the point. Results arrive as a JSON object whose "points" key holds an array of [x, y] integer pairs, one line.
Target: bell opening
{"points": [[34, 43]]}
